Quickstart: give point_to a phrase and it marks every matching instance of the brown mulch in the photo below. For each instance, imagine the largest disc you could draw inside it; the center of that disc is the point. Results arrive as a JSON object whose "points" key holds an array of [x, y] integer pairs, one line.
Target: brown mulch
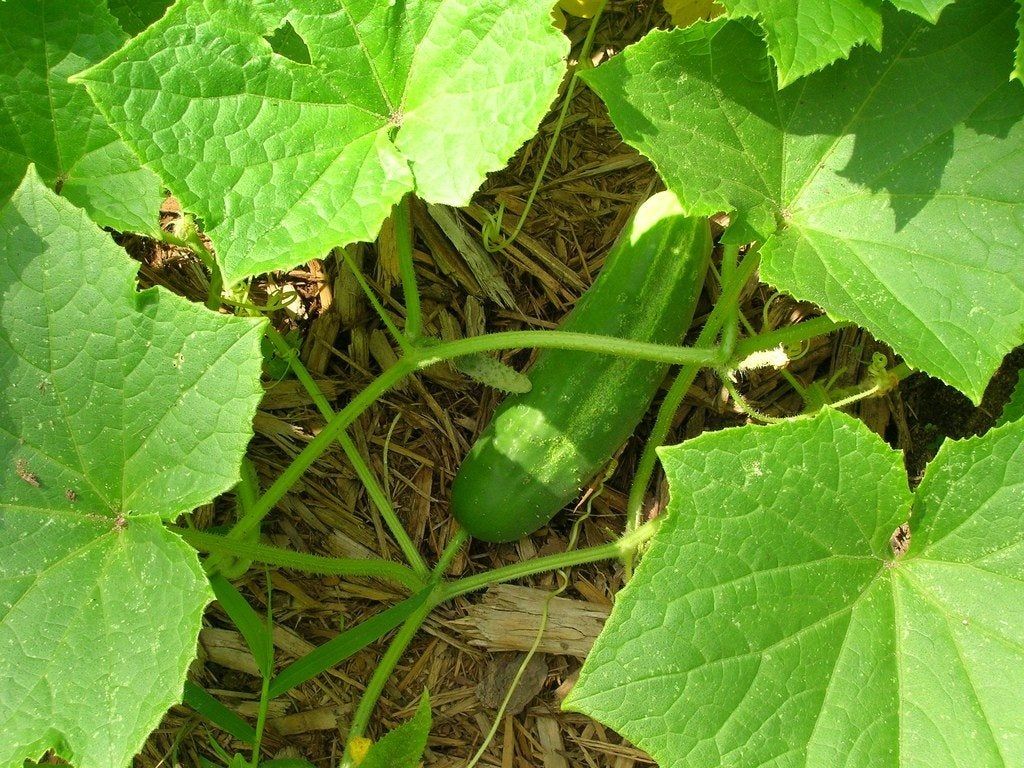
{"points": [[415, 437]]}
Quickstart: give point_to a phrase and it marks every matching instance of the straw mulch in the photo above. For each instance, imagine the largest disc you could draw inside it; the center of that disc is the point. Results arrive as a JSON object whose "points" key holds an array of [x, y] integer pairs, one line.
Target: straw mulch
{"points": [[415, 437]]}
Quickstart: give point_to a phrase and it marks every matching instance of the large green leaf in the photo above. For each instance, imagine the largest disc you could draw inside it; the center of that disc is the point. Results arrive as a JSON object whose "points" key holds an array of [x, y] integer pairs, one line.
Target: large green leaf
{"points": [[806, 35], [118, 410], [284, 160], [886, 189], [47, 121], [772, 622]]}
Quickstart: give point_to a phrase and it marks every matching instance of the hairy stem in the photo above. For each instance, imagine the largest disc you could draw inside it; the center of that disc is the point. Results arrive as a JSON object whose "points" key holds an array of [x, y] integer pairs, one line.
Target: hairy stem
{"points": [[731, 327], [662, 424], [301, 561], [384, 315], [381, 674], [319, 444], [363, 471], [847, 397], [585, 342], [744, 405], [721, 314], [787, 336], [444, 562], [570, 89], [194, 243], [613, 551], [447, 591], [391, 657], [724, 313], [406, 269]]}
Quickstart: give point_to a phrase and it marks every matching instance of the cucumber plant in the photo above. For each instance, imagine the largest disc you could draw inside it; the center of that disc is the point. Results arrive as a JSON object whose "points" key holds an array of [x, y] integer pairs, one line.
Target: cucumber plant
{"points": [[797, 604]]}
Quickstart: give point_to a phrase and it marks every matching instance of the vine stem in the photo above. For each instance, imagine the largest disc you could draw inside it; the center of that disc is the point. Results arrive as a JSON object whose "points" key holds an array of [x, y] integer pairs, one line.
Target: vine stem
{"points": [[649, 457], [744, 405], [362, 469], [407, 271], [403, 342], [790, 335], [721, 314], [731, 327], [894, 375], [375, 687], [444, 592], [570, 89], [584, 342], [319, 444], [301, 561], [381, 674], [457, 542], [849, 397], [615, 550], [192, 242]]}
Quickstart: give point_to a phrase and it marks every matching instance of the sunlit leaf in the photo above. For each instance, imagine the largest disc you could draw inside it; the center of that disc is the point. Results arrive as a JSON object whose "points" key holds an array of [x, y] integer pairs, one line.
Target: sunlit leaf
{"points": [[118, 410], [777, 620], [886, 190], [47, 121], [283, 160]]}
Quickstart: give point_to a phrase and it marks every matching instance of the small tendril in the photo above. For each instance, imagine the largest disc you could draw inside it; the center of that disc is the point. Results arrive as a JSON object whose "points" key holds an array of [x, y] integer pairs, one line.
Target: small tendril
{"points": [[745, 407], [765, 324], [491, 231], [885, 380], [798, 351], [276, 301]]}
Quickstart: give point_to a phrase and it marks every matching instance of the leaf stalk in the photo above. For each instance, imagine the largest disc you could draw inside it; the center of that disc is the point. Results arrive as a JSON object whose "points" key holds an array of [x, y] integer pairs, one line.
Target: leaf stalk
{"points": [[407, 271], [385, 570], [616, 550], [365, 474]]}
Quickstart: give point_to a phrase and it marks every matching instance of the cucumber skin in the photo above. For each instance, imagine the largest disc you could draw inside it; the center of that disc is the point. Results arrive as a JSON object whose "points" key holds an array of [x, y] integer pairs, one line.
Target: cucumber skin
{"points": [[541, 447]]}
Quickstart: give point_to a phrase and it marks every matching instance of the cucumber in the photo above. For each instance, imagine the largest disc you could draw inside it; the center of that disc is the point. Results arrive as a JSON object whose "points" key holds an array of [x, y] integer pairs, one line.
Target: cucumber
{"points": [[541, 447]]}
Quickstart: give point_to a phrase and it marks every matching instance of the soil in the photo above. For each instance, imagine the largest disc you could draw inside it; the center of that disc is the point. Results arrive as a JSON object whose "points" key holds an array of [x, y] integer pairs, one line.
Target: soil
{"points": [[938, 412]]}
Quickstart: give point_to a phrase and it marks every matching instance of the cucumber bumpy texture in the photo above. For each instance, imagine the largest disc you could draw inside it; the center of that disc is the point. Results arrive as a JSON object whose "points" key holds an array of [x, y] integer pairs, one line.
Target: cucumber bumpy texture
{"points": [[541, 447]]}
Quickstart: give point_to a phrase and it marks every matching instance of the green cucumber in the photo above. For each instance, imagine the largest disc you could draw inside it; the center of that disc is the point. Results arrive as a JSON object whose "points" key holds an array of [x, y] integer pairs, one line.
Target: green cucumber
{"points": [[541, 447]]}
